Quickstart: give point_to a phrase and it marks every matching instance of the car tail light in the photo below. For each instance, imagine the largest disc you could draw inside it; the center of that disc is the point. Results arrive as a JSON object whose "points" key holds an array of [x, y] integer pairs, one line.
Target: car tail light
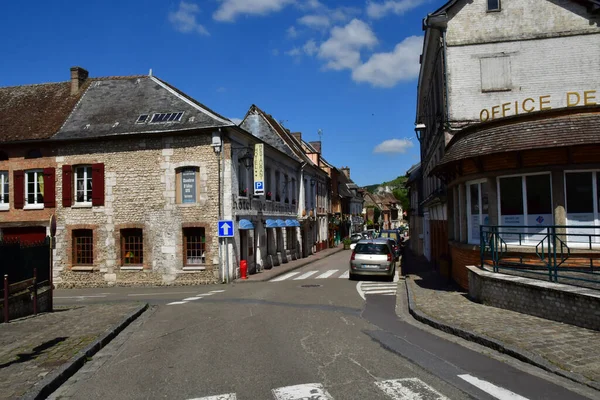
{"points": [[352, 256], [389, 257]]}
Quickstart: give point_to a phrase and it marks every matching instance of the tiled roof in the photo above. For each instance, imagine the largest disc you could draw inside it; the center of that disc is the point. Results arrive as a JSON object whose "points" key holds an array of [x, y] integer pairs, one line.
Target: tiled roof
{"points": [[575, 126], [111, 106], [34, 112]]}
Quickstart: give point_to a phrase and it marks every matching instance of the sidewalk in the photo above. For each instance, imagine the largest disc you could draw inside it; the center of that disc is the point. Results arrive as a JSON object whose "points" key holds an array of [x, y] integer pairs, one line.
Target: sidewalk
{"points": [[566, 350], [268, 274], [38, 353]]}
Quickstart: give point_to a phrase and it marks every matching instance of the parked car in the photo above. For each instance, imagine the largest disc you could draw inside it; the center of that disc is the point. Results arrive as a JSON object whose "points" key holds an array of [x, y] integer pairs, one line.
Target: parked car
{"points": [[373, 257], [398, 238], [354, 238]]}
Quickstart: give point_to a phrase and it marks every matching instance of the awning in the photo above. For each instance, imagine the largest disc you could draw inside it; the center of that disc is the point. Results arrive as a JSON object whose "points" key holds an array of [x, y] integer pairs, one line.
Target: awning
{"points": [[271, 223], [245, 224], [280, 223], [292, 223]]}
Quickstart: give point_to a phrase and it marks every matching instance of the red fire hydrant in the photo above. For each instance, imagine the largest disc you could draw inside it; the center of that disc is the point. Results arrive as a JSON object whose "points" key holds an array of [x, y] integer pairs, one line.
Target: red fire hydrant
{"points": [[244, 269]]}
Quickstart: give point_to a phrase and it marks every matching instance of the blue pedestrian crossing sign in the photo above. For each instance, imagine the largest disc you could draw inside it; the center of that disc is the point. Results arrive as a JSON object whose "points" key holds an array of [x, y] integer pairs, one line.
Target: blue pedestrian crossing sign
{"points": [[226, 228], [259, 187]]}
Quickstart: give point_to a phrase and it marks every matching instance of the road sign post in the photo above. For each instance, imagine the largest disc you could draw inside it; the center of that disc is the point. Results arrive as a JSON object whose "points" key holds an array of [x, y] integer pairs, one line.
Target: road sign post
{"points": [[226, 230]]}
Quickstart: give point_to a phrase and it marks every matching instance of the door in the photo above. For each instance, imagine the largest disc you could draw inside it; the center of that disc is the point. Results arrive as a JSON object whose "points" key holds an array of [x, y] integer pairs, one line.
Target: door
{"points": [[426, 237], [27, 234]]}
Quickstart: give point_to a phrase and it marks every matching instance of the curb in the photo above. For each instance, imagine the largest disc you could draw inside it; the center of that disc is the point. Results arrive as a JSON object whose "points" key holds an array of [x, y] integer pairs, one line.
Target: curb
{"points": [[285, 271], [53, 380], [495, 344]]}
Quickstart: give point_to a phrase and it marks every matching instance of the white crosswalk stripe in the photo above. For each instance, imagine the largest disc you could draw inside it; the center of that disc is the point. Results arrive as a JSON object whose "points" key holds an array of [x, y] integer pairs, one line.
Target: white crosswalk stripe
{"points": [[345, 275], [284, 277], [394, 389], [327, 274], [305, 275]]}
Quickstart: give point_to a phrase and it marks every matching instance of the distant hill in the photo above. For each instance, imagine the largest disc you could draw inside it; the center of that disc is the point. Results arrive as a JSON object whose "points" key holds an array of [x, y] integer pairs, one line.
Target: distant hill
{"points": [[393, 184]]}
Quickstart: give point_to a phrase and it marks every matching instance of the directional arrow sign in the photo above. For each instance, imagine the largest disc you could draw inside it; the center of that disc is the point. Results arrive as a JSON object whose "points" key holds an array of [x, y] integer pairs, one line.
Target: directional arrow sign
{"points": [[226, 228]]}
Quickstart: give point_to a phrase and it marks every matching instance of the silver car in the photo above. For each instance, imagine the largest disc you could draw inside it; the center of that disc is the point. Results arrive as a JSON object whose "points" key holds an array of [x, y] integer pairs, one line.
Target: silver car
{"points": [[373, 257]]}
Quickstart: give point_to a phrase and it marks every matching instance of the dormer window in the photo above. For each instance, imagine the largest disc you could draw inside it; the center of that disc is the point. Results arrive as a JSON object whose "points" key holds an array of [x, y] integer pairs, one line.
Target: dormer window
{"points": [[493, 5]]}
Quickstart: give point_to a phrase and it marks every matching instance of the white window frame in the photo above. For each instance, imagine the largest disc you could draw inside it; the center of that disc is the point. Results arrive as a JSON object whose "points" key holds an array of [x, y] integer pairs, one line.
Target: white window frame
{"points": [[596, 208], [525, 237], [477, 182], [35, 205], [86, 177], [4, 181]]}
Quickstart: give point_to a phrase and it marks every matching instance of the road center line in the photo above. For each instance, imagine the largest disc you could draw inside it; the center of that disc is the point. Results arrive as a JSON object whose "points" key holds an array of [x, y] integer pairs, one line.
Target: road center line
{"points": [[496, 391], [79, 297], [176, 302], [157, 294]]}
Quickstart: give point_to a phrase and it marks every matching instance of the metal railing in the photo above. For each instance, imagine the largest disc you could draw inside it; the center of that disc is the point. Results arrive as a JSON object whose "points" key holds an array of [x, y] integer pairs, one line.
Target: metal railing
{"points": [[557, 252]]}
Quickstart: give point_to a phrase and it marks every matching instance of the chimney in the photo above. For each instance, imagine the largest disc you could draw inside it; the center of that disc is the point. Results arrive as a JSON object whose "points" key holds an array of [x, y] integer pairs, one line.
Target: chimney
{"points": [[298, 136], [316, 145], [346, 171], [78, 76]]}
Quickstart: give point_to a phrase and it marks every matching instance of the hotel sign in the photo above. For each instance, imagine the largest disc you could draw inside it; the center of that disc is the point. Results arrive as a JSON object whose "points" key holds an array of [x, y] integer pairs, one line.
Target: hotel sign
{"points": [[259, 169], [540, 103]]}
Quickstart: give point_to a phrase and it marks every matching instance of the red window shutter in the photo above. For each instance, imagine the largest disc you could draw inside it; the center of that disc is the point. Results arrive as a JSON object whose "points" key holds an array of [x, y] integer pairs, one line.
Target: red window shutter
{"points": [[67, 186], [97, 184], [49, 187], [19, 189]]}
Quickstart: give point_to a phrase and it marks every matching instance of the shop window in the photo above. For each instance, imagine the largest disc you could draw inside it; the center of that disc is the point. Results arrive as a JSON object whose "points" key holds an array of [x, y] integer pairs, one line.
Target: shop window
{"points": [[290, 238], [583, 205], [493, 5], [187, 185], [525, 201], [132, 247], [83, 184], [194, 243], [4, 190], [477, 207], [270, 240], [83, 247], [279, 240]]}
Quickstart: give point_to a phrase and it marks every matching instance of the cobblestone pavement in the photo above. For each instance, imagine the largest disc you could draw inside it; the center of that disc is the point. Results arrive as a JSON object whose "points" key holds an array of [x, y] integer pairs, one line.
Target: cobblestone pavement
{"points": [[33, 347], [571, 348]]}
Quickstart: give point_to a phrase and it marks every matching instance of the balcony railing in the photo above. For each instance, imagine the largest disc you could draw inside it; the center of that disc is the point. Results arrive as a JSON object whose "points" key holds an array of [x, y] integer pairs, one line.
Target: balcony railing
{"points": [[558, 253]]}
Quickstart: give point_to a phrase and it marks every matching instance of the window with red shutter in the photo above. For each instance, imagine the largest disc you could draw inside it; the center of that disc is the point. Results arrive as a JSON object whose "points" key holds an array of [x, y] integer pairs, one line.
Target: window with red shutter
{"points": [[49, 187], [67, 186], [19, 189], [97, 184]]}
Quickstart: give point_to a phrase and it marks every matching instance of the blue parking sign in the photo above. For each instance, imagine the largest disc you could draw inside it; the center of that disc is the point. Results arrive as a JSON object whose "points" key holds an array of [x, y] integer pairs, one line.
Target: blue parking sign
{"points": [[259, 187]]}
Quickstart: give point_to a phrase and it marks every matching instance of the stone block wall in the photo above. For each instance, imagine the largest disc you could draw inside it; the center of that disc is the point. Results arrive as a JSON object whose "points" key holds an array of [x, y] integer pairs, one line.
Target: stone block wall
{"points": [[140, 192], [21, 304], [461, 256], [554, 301]]}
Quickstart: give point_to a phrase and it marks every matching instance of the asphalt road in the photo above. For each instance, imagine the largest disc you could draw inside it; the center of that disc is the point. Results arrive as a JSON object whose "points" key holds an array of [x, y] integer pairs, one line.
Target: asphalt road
{"points": [[310, 338]]}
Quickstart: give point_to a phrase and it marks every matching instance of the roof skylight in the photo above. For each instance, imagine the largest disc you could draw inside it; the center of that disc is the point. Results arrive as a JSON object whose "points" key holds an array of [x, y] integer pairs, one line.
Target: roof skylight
{"points": [[166, 117]]}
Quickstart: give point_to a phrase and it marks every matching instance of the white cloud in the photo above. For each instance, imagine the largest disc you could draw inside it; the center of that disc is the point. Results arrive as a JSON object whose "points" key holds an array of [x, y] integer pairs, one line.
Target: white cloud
{"points": [[398, 7], [387, 69], [310, 47], [221, 89], [315, 21], [292, 32], [393, 146], [229, 10], [236, 121], [184, 19], [294, 52], [342, 49], [275, 52]]}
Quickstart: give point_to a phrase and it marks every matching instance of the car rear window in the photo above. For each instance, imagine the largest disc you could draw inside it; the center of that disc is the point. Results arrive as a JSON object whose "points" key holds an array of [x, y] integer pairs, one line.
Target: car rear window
{"points": [[372, 248]]}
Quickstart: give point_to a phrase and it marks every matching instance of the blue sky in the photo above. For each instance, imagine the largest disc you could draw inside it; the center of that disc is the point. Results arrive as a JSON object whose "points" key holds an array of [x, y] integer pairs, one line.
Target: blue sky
{"points": [[348, 68]]}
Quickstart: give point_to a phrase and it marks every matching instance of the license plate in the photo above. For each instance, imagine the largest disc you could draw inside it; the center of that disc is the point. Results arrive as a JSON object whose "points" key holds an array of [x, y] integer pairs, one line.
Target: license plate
{"points": [[370, 266]]}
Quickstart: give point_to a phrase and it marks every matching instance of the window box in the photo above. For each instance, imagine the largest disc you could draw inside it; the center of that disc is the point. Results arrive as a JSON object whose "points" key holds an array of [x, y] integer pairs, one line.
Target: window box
{"points": [[243, 192], [268, 196]]}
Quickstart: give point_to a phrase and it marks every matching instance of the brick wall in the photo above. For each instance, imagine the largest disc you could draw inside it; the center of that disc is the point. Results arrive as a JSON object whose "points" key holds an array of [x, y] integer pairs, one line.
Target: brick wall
{"points": [[554, 301], [462, 256]]}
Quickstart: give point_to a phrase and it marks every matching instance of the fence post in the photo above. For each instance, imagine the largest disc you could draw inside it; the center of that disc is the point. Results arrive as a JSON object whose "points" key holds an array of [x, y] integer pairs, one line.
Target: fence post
{"points": [[35, 296], [6, 314], [51, 298], [554, 265]]}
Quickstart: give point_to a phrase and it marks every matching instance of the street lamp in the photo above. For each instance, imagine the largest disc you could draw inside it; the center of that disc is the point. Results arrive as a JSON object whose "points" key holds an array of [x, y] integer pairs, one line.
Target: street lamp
{"points": [[247, 156], [419, 128]]}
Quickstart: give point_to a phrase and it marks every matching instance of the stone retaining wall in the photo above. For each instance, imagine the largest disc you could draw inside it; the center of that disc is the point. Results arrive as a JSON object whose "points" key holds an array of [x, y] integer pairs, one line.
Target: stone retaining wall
{"points": [[554, 301], [21, 304]]}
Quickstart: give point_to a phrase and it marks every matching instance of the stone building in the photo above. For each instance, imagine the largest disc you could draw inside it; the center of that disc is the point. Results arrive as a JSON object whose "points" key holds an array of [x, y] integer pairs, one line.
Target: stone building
{"points": [[509, 123], [127, 165]]}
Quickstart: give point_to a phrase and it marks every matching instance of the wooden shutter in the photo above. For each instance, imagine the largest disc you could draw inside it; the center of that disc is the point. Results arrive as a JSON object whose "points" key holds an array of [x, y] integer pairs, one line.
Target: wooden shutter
{"points": [[97, 184], [49, 187], [19, 189], [67, 186]]}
